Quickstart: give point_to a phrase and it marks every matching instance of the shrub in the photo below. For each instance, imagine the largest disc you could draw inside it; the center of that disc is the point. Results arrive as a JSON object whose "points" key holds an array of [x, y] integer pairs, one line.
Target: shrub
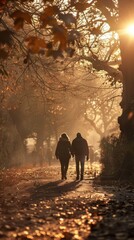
{"points": [[113, 150]]}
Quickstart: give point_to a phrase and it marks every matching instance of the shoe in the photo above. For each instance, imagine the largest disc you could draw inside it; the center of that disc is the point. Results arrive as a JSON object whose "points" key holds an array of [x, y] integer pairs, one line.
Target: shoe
{"points": [[81, 178]]}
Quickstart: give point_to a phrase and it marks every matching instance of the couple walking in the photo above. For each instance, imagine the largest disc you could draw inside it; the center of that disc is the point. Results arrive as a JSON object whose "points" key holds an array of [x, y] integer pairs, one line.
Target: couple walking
{"points": [[78, 149]]}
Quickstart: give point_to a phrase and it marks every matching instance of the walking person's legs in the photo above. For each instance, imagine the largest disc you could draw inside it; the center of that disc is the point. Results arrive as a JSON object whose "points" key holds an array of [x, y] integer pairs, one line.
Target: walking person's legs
{"points": [[62, 169], [82, 167], [77, 167], [66, 168]]}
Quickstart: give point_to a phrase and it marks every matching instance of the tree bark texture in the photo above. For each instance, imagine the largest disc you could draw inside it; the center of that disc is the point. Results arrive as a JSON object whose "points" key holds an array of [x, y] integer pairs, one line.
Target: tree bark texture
{"points": [[126, 120]]}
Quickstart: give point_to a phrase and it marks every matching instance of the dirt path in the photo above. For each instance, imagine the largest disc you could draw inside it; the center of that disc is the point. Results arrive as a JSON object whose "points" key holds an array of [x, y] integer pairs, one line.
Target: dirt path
{"points": [[36, 204]]}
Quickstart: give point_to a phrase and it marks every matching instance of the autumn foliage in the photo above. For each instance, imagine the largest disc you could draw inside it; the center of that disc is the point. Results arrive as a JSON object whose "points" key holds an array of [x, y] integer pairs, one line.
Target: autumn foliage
{"points": [[47, 26]]}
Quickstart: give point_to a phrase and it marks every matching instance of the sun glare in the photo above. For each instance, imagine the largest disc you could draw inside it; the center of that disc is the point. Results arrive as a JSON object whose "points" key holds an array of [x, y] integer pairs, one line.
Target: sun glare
{"points": [[130, 30]]}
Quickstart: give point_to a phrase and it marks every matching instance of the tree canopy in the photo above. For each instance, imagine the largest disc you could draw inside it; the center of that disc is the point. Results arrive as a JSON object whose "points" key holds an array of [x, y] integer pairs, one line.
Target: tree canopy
{"points": [[59, 29], [42, 42]]}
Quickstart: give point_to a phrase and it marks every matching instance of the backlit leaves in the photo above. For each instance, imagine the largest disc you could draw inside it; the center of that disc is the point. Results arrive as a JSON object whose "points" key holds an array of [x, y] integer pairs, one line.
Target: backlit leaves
{"points": [[49, 20], [19, 23], [48, 12], [73, 36], [54, 53], [107, 3], [70, 51], [59, 22], [19, 19], [47, 16], [67, 18], [105, 7], [81, 6], [61, 42], [60, 35], [96, 31], [35, 44]]}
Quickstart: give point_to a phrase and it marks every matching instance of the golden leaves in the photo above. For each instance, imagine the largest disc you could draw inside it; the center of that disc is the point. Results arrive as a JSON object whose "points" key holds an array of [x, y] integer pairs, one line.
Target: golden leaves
{"points": [[107, 3], [53, 48], [73, 36], [67, 18], [106, 6], [54, 53], [56, 23], [60, 35], [19, 19], [96, 31], [35, 44], [81, 6], [47, 16], [48, 12], [49, 20], [24, 15]]}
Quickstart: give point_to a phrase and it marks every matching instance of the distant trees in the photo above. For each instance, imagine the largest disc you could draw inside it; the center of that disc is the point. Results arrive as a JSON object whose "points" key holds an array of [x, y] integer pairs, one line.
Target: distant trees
{"points": [[102, 109]]}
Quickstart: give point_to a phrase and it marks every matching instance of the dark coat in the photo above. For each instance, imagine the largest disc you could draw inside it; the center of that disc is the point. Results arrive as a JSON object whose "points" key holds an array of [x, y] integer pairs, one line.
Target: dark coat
{"points": [[63, 149], [80, 147]]}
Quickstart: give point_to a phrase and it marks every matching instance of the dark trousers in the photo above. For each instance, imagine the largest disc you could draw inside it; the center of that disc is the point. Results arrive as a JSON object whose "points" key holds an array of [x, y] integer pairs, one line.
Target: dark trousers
{"points": [[64, 167], [80, 163]]}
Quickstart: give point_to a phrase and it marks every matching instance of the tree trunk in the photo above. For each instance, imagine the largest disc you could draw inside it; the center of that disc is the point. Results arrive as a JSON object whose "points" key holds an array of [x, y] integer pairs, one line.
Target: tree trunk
{"points": [[126, 120]]}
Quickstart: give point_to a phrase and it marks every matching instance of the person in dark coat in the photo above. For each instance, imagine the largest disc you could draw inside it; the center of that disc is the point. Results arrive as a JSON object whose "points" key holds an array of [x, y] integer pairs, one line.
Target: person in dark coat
{"points": [[81, 151], [63, 153]]}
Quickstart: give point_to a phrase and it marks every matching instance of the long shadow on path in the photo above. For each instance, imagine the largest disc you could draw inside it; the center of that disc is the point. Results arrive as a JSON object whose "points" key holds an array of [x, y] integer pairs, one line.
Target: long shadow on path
{"points": [[52, 190]]}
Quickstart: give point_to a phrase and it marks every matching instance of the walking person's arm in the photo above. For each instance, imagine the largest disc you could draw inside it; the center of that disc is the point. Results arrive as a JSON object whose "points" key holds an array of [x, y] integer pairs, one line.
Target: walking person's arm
{"points": [[57, 151]]}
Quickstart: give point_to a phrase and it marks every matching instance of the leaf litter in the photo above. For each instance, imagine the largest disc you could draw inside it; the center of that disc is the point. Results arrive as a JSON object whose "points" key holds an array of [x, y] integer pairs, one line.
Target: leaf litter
{"points": [[35, 204]]}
